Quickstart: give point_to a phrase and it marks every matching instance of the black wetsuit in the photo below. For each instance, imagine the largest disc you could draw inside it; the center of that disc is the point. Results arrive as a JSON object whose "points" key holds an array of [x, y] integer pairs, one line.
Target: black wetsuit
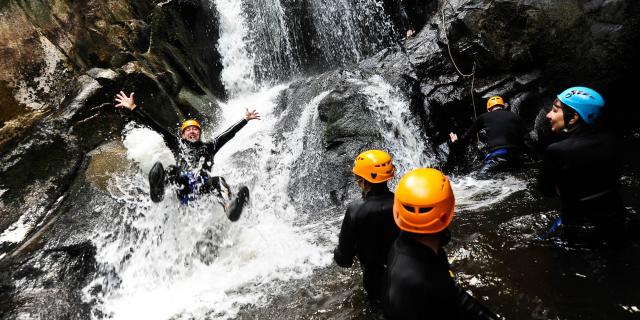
{"points": [[404, 17], [505, 137], [419, 285], [194, 159], [584, 170], [368, 229]]}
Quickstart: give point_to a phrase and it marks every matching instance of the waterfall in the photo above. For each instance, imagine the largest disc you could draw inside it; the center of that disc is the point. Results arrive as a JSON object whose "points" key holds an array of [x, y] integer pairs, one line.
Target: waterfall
{"points": [[171, 261], [270, 41]]}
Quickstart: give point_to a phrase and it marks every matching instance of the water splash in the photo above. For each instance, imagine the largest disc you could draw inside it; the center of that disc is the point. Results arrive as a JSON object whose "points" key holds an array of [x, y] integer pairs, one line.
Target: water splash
{"points": [[472, 194], [167, 260], [238, 64]]}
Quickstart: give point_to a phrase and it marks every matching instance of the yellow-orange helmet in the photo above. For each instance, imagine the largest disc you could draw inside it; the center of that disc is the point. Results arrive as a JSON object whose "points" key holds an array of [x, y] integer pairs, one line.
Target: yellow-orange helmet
{"points": [[494, 101], [374, 166], [189, 123], [423, 202]]}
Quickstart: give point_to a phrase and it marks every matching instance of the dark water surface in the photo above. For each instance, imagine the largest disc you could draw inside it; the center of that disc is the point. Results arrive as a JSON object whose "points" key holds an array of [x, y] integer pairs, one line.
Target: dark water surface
{"points": [[496, 256]]}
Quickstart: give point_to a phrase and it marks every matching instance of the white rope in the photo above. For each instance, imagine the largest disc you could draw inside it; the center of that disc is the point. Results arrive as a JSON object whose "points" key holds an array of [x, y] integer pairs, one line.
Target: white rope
{"points": [[462, 74]]}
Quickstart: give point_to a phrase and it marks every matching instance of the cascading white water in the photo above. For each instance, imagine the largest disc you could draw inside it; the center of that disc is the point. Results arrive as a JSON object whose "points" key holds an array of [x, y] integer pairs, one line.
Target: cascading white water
{"points": [[282, 36], [238, 64], [173, 261], [273, 43], [350, 30], [170, 260]]}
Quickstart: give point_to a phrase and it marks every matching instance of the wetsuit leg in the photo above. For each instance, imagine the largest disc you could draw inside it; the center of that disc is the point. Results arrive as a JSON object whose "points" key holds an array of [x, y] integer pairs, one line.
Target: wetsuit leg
{"points": [[218, 187], [157, 182], [500, 163], [491, 167]]}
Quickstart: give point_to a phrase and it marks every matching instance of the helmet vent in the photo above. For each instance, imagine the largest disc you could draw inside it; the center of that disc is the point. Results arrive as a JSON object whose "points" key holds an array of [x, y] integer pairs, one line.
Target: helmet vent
{"points": [[418, 210], [373, 175], [424, 210]]}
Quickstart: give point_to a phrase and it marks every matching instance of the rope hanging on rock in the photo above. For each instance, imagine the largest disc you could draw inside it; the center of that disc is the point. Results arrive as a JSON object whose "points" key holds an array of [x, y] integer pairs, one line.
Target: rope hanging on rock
{"points": [[462, 74]]}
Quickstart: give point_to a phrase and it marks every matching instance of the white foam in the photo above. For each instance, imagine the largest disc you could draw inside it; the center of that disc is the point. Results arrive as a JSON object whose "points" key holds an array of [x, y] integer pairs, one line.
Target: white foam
{"points": [[146, 147], [169, 260], [402, 136], [473, 194], [237, 73]]}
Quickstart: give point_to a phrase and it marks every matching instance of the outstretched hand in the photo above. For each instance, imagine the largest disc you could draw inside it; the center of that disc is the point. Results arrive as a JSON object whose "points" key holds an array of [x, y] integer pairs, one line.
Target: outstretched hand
{"points": [[124, 101], [250, 115], [453, 137]]}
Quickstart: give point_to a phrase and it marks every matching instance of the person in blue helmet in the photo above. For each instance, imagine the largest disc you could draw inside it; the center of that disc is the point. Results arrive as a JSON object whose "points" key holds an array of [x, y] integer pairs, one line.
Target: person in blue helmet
{"points": [[583, 169]]}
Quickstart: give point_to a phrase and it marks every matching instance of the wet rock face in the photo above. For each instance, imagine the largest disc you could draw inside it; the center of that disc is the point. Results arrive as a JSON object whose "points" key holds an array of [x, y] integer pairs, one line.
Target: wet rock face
{"points": [[61, 69], [62, 64]]}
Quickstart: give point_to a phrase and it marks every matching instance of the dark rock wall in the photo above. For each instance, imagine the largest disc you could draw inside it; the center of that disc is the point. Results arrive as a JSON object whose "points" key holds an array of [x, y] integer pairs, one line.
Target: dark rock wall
{"points": [[63, 61]]}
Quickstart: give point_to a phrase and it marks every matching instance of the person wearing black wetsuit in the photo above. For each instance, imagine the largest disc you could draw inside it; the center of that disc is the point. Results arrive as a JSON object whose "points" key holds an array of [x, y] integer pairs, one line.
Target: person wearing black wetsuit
{"points": [[194, 161], [583, 170], [410, 31], [505, 137], [419, 283], [368, 228]]}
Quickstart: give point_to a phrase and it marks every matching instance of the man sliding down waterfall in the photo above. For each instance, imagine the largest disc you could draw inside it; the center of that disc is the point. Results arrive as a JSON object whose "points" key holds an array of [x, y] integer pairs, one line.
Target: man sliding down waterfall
{"points": [[194, 159]]}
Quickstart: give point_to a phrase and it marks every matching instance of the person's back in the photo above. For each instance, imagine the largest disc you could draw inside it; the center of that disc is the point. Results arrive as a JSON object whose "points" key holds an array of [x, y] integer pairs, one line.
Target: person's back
{"points": [[504, 134], [373, 230], [503, 129], [419, 283], [368, 228]]}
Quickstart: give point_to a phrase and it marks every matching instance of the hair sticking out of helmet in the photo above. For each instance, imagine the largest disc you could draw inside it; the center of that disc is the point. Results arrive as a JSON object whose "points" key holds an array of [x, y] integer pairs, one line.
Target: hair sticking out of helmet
{"points": [[587, 102], [189, 123], [375, 166], [495, 101], [423, 202]]}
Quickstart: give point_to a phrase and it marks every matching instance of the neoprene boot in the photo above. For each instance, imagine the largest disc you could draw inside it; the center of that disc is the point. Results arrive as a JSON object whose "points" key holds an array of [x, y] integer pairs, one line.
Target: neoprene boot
{"points": [[237, 204], [156, 182]]}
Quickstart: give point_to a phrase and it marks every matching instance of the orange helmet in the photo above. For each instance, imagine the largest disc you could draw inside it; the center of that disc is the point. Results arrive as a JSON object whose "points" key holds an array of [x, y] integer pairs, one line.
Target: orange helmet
{"points": [[494, 102], [423, 201], [189, 123], [374, 166]]}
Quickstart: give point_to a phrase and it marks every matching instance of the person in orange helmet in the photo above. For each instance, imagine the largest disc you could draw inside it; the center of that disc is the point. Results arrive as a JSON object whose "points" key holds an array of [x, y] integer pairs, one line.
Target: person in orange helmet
{"points": [[194, 160], [368, 228], [419, 282], [505, 138]]}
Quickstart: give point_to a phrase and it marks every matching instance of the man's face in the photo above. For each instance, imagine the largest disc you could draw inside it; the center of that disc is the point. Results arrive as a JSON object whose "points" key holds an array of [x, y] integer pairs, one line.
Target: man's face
{"points": [[556, 117], [191, 134]]}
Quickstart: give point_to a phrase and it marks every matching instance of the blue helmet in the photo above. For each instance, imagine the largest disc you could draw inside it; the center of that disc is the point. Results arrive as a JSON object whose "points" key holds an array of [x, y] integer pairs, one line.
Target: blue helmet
{"points": [[586, 102]]}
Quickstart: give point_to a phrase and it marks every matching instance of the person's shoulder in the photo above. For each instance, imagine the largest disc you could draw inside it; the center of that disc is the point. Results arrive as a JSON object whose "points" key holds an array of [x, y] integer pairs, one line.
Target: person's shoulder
{"points": [[355, 205]]}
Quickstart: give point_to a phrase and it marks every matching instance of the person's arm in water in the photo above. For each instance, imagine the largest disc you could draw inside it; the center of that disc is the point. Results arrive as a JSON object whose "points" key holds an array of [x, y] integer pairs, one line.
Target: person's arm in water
{"points": [[345, 252], [228, 134], [129, 104], [457, 145], [470, 308]]}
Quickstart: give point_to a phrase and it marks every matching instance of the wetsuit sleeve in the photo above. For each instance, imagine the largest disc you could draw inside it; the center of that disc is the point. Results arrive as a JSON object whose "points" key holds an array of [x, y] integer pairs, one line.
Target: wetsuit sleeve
{"points": [[169, 138], [468, 135], [456, 149], [472, 309], [548, 173], [346, 250], [404, 17], [224, 137]]}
